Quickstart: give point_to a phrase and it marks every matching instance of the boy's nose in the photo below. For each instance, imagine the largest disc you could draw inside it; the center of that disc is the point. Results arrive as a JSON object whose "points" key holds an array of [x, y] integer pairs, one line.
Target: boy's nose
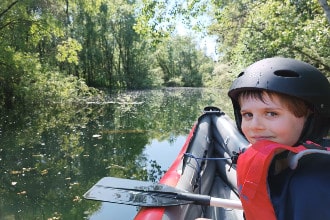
{"points": [[256, 123]]}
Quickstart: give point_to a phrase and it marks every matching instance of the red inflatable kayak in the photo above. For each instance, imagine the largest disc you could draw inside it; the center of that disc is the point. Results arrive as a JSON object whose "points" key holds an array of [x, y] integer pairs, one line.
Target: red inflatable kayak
{"points": [[203, 166]]}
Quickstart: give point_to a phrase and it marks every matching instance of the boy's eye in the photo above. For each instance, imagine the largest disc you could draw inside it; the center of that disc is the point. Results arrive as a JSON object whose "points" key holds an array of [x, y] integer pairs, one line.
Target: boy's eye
{"points": [[246, 115], [271, 114]]}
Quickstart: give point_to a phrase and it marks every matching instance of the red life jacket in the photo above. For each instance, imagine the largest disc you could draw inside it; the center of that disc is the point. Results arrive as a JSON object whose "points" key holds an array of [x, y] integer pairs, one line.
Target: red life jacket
{"points": [[252, 171]]}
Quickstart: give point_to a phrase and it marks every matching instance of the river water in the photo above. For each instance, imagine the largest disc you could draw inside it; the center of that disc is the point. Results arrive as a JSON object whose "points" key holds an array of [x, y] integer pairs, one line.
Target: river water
{"points": [[51, 155]]}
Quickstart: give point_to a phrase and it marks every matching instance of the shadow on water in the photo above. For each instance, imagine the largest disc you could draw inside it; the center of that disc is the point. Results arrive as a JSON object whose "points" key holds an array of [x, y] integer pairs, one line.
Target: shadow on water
{"points": [[51, 155]]}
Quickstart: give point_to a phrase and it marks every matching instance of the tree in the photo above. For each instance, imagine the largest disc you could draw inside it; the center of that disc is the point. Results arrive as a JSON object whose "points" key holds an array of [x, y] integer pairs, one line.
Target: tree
{"points": [[324, 4], [33, 33], [253, 30], [181, 63]]}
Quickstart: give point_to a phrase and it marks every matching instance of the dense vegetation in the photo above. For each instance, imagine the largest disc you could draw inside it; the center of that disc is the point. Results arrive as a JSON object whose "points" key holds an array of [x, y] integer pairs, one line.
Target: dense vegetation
{"points": [[55, 51], [251, 30]]}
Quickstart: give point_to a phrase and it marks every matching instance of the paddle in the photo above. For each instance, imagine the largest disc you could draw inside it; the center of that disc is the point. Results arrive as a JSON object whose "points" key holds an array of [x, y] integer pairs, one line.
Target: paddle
{"points": [[140, 193]]}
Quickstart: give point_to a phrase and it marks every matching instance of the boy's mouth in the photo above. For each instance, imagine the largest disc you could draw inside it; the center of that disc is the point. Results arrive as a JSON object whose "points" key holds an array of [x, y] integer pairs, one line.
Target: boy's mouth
{"points": [[259, 138]]}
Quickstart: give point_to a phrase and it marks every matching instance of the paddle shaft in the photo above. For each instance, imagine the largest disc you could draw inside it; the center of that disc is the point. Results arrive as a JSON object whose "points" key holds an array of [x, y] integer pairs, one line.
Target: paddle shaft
{"points": [[226, 203], [211, 201]]}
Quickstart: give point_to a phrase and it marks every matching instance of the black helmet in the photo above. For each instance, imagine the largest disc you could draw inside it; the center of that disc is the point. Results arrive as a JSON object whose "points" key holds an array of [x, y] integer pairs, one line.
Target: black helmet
{"points": [[290, 77]]}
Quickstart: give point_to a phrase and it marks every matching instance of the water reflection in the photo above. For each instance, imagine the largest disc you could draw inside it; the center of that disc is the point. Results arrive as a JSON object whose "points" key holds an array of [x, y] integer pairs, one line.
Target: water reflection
{"points": [[51, 155]]}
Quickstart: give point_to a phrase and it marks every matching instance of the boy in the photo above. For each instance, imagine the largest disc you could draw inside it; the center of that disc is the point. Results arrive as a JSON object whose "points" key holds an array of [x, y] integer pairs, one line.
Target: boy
{"points": [[282, 107]]}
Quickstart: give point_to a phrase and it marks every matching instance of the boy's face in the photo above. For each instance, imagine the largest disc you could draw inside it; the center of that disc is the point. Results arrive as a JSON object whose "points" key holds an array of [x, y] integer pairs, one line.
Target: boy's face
{"points": [[269, 120]]}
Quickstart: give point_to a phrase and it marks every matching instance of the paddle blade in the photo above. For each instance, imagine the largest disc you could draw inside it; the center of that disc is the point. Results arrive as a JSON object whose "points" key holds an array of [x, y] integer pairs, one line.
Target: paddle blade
{"points": [[134, 192]]}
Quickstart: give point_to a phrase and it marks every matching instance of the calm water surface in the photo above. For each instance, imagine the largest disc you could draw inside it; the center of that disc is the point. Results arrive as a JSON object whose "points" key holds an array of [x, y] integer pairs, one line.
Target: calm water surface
{"points": [[51, 155]]}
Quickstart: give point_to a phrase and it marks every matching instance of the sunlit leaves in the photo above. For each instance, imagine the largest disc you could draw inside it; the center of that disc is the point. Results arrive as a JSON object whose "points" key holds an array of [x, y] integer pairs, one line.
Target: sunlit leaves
{"points": [[106, 43], [253, 30], [44, 30], [91, 7], [181, 63], [68, 51]]}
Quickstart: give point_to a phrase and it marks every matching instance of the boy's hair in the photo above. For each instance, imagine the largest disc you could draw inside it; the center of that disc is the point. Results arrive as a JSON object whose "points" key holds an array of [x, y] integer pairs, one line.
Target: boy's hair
{"points": [[296, 106]]}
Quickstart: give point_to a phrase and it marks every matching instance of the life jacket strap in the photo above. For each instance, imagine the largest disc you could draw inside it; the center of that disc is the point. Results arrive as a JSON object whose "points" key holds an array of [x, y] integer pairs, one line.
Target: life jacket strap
{"points": [[293, 159]]}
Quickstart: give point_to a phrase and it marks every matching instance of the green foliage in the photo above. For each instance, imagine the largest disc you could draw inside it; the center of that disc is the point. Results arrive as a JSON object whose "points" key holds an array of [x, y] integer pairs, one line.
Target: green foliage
{"points": [[52, 48], [181, 64], [221, 77], [53, 87], [151, 16], [32, 84], [28, 32], [29, 83], [48, 48], [250, 31], [68, 51]]}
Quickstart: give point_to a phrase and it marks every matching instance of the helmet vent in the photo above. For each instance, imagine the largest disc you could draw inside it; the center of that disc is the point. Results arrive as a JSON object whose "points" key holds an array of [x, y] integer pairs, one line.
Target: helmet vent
{"points": [[286, 73], [241, 74]]}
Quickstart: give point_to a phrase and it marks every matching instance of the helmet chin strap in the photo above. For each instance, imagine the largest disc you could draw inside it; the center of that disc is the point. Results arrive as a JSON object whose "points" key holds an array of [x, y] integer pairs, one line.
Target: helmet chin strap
{"points": [[315, 128], [306, 131]]}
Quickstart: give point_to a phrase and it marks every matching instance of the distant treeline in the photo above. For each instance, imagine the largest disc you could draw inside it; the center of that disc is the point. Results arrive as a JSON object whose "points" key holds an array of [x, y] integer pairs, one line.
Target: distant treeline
{"points": [[55, 51]]}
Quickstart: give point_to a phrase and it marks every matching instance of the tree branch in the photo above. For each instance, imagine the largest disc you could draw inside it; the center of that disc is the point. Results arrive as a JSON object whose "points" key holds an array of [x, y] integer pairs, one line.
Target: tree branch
{"points": [[8, 8]]}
